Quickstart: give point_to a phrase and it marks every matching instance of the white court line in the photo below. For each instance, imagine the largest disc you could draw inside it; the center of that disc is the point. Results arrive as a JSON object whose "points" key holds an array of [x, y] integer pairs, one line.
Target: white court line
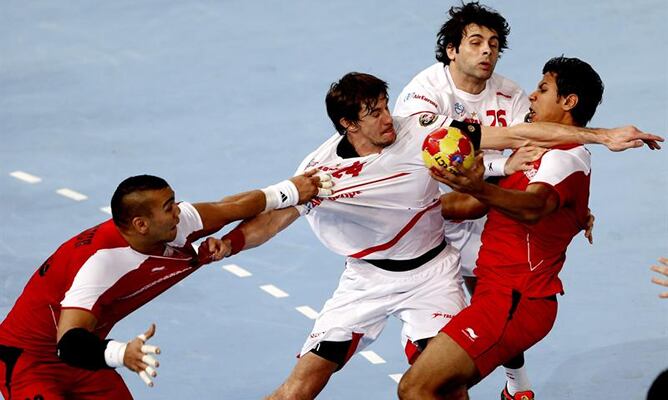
{"points": [[274, 291], [25, 177], [106, 210], [307, 311], [396, 377], [236, 270], [71, 194], [372, 357]]}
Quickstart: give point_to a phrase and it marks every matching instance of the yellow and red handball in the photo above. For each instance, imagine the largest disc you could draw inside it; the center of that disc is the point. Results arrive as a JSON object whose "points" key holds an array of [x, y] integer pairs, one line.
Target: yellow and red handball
{"points": [[446, 146]]}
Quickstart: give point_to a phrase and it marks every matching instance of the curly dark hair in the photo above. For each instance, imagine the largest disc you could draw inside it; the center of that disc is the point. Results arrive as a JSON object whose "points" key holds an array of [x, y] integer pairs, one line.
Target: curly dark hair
{"points": [[452, 31]]}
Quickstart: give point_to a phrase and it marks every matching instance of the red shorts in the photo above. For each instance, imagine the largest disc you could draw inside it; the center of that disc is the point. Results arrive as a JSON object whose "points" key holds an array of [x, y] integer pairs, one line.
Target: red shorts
{"points": [[47, 378], [500, 324]]}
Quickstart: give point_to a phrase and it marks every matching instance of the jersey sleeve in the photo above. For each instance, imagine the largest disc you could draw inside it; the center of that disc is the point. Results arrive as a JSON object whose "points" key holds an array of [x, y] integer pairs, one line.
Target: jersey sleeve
{"points": [[558, 165], [415, 99], [99, 273], [189, 222], [520, 108]]}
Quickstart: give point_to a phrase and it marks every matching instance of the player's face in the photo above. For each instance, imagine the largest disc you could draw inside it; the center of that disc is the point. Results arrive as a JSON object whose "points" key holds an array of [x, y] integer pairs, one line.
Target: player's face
{"points": [[375, 125], [478, 53], [546, 104], [164, 215]]}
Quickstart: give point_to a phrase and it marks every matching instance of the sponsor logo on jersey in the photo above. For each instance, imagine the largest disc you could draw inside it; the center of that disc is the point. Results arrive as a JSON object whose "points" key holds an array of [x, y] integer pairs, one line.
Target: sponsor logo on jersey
{"points": [[459, 108], [416, 96], [316, 334], [470, 333], [317, 201], [427, 119], [443, 315]]}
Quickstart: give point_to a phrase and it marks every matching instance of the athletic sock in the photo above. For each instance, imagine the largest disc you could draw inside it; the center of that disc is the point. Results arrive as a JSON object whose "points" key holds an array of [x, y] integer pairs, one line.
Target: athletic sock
{"points": [[517, 380]]}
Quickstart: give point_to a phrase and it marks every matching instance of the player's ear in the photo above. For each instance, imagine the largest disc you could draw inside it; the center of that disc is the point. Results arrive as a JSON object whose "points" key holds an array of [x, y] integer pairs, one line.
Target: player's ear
{"points": [[570, 102], [349, 126], [451, 51], [140, 224]]}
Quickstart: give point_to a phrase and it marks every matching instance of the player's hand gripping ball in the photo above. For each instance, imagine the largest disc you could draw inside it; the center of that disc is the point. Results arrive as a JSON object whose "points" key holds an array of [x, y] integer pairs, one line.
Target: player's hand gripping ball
{"points": [[446, 146]]}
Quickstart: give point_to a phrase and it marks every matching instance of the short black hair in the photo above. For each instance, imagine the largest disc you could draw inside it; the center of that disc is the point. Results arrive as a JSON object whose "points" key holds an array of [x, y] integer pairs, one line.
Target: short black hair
{"points": [[453, 29], [122, 211], [574, 76], [346, 97]]}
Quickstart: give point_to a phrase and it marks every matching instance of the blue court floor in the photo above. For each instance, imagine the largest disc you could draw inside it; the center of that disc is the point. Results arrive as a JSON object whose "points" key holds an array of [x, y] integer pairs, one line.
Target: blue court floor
{"points": [[219, 97]]}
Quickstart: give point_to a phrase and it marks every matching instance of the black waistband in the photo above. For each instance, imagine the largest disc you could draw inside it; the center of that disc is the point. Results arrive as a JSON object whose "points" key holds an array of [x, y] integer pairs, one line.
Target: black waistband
{"points": [[407, 265]]}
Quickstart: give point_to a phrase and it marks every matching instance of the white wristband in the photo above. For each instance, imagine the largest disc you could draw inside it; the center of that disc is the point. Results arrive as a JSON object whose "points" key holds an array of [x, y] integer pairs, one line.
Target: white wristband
{"points": [[495, 165], [281, 195], [114, 352]]}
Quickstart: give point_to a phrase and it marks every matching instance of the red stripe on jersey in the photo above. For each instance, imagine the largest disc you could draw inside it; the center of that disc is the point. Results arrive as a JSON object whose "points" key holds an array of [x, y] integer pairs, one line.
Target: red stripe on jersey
{"points": [[394, 240], [370, 182], [504, 95]]}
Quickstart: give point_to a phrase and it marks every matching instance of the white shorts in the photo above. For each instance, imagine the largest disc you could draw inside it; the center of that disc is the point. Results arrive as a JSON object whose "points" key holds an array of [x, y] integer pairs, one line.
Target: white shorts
{"points": [[465, 236], [424, 299]]}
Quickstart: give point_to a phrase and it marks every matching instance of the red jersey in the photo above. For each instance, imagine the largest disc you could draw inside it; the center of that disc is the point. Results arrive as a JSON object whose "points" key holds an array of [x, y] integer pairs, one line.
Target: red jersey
{"points": [[98, 271], [529, 257]]}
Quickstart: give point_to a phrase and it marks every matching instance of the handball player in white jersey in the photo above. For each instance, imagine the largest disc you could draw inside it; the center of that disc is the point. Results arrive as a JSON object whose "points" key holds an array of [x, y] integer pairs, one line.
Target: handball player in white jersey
{"points": [[384, 216]]}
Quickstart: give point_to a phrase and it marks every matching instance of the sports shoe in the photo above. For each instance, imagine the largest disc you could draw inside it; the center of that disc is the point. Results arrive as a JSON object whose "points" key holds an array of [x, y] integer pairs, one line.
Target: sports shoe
{"points": [[526, 395]]}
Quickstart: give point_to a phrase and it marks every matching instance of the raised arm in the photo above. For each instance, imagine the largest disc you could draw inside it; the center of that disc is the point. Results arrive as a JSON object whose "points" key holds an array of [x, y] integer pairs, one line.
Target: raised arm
{"points": [[259, 229], [547, 134], [297, 190]]}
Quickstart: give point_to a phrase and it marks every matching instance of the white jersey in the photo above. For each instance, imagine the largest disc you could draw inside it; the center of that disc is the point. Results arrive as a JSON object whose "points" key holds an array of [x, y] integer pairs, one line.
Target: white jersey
{"points": [[501, 103], [385, 205]]}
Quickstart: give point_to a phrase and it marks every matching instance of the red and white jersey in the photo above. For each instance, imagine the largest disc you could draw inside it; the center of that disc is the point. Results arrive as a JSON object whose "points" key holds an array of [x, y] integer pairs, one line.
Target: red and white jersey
{"points": [[501, 103], [529, 257], [385, 205], [98, 271]]}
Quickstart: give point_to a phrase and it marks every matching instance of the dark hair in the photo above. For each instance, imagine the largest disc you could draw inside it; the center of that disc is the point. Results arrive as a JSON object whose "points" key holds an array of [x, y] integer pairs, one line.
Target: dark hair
{"points": [[346, 97], [122, 210], [575, 76], [452, 31]]}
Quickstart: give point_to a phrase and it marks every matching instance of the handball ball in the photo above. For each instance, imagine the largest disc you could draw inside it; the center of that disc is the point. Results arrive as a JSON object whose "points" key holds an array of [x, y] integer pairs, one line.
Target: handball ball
{"points": [[445, 146]]}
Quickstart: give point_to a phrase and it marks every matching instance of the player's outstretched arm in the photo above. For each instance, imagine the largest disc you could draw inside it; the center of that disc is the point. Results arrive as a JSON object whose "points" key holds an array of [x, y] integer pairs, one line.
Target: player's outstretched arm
{"points": [[525, 206], [296, 190], [257, 230], [547, 134], [79, 347]]}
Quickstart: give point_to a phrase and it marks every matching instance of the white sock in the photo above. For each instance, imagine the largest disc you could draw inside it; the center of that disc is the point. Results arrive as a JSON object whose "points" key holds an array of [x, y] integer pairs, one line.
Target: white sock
{"points": [[517, 380]]}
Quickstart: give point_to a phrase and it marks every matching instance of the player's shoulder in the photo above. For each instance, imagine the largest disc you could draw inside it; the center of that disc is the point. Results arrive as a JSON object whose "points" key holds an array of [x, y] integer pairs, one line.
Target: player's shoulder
{"points": [[432, 78], [323, 153], [505, 87], [424, 121], [567, 159]]}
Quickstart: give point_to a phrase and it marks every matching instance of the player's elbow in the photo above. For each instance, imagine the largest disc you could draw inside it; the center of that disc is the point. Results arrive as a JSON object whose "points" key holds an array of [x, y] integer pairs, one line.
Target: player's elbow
{"points": [[530, 217]]}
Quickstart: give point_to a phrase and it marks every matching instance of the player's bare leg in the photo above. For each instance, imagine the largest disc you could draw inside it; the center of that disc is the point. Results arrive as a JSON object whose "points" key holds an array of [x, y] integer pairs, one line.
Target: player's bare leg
{"points": [[306, 380], [442, 371]]}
